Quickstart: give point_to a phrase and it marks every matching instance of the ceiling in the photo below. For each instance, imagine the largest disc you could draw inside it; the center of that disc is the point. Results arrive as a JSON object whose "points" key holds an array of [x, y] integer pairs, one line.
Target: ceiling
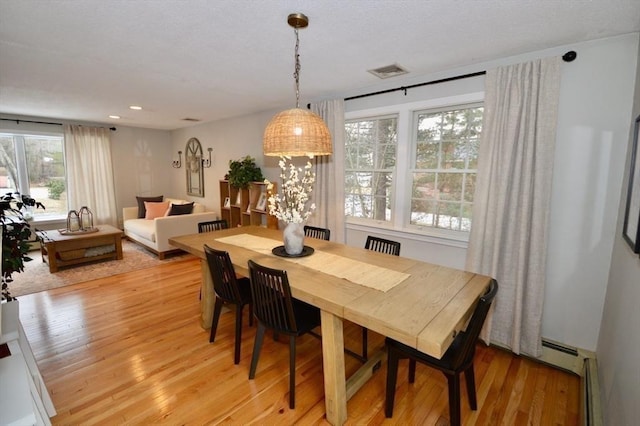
{"points": [[214, 59]]}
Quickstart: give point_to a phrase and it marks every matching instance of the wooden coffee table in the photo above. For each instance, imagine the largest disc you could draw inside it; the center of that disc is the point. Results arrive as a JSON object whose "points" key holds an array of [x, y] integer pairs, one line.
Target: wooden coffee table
{"points": [[59, 250]]}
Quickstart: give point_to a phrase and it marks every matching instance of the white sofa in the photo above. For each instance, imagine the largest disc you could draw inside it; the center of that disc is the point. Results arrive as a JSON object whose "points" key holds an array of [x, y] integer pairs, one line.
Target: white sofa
{"points": [[154, 234]]}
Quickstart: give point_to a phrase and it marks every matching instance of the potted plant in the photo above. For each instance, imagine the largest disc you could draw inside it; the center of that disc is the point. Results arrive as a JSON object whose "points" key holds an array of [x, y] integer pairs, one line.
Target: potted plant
{"points": [[16, 232], [243, 171]]}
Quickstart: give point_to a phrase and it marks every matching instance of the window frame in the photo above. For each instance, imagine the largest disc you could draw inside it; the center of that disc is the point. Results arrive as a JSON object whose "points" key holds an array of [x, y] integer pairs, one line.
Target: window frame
{"points": [[458, 235], [37, 218], [405, 155], [376, 170]]}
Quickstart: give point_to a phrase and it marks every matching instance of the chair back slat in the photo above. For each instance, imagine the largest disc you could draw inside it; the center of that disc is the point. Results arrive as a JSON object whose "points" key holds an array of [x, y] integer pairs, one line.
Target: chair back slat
{"points": [[271, 295], [223, 275], [212, 225], [315, 232], [466, 350], [382, 245]]}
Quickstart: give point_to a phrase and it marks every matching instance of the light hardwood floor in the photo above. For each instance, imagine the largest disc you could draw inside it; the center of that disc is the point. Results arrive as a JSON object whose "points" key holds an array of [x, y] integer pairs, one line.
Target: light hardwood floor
{"points": [[128, 349]]}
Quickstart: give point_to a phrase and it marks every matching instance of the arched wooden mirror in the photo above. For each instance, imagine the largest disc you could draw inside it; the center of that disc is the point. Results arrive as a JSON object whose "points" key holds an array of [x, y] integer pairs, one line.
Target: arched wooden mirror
{"points": [[193, 163]]}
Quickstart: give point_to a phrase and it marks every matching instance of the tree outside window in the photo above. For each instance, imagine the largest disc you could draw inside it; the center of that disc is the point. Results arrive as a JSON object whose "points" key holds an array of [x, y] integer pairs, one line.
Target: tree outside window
{"points": [[34, 165], [445, 167], [370, 159]]}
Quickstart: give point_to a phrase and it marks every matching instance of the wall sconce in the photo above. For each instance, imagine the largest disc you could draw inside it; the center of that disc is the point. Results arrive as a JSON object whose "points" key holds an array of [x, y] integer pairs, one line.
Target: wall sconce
{"points": [[207, 163], [177, 163]]}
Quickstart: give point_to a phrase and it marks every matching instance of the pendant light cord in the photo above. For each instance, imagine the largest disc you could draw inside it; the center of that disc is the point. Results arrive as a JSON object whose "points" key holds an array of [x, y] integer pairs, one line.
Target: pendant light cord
{"points": [[296, 73]]}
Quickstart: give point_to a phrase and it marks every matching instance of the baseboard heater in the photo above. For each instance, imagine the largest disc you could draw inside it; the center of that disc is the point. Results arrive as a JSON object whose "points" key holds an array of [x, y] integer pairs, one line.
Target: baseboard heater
{"points": [[582, 363], [559, 347], [590, 412]]}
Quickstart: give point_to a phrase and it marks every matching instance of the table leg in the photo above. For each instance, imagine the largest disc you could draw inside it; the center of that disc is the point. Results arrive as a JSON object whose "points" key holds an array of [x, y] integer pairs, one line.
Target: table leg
{"points": [[335, 395], [51, 256], [208, 298], [118, 244]]}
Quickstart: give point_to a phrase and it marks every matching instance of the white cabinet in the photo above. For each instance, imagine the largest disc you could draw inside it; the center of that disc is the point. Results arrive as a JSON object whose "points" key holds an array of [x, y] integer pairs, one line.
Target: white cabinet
{"points": [[24, 399]]}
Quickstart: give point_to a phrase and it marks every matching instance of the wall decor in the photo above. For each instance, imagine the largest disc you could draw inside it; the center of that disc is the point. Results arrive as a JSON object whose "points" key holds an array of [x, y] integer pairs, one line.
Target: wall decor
{"points": [[194, 170], [631, 227]]}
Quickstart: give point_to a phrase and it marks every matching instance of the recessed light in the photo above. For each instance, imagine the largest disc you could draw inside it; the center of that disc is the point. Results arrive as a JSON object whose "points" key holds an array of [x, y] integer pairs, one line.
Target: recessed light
{"points": [[136, 107], [115, 117]]}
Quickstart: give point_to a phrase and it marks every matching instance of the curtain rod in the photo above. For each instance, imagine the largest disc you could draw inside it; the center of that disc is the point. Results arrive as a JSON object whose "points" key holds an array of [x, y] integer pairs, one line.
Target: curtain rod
{"points": [[18, 121], [567, 57]]}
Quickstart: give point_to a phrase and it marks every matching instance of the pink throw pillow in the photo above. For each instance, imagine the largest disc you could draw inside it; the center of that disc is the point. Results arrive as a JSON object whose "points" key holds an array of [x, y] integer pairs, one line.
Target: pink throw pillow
{"points": [[155, 209]]}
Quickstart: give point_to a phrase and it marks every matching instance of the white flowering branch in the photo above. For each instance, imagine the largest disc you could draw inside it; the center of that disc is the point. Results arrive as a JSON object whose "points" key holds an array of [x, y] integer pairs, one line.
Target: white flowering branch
{"points": [[292, 204]]}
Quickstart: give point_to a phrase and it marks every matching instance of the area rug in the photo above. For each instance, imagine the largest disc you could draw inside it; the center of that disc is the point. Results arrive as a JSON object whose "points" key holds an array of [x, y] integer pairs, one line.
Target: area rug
{"points": [[36, 276]]}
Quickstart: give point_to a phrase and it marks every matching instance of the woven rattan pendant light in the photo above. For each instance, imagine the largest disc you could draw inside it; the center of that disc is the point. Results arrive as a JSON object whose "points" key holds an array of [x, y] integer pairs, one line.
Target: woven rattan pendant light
{"points": [[297, 132]]}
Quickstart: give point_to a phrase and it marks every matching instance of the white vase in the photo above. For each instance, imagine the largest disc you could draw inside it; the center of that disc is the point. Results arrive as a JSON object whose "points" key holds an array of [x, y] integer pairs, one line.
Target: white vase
{"points": [[293, 237]]}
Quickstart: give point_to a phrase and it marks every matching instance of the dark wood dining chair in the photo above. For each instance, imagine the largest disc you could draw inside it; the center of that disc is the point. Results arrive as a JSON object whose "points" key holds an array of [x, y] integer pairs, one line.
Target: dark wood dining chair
{"points": [[315, 232], [456, 360], [275, 309], [228, 289], [212, 225], [383, 246]]}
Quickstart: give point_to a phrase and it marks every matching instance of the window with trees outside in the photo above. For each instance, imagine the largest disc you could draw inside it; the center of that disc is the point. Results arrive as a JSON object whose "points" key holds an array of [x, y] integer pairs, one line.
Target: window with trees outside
{"points": [[34, 165], [445, 166], [414, 170], [370, 151]]}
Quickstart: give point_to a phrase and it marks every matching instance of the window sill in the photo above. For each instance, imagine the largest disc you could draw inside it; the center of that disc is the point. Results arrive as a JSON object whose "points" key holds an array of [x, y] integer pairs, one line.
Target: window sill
{"points": [[44, 222], [433, 237]]}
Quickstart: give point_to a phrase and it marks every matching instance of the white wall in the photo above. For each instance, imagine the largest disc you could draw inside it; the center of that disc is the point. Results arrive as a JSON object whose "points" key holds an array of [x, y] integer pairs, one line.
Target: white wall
{"points": [[230, 139], [593, 122], [141, 163], [619, 342], [596, 99]]}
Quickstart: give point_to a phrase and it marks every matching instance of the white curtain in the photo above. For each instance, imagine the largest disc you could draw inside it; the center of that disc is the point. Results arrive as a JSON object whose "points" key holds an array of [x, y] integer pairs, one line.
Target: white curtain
{"points": [[90, 172], [328, 193], [508, 239]]}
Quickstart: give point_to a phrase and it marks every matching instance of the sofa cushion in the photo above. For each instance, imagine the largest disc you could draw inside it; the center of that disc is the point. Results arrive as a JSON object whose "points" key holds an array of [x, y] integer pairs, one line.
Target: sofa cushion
{"points": [[141, 209], [197, 207], [178, 209], [175, 201], [141, 227], [155, 210]]}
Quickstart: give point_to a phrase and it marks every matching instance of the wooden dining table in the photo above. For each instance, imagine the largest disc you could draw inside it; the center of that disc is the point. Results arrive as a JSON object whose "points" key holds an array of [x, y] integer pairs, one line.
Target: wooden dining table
{"points": [[417, 303]]}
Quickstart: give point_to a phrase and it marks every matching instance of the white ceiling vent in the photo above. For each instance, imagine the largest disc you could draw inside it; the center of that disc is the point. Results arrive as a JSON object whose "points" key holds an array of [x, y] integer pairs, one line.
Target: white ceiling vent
{"points": [[388, 71], [194, 120]]}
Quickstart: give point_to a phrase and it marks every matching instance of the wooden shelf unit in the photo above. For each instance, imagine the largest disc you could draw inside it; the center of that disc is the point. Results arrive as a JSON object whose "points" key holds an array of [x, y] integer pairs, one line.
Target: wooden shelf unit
{"points": [[242, 207]]}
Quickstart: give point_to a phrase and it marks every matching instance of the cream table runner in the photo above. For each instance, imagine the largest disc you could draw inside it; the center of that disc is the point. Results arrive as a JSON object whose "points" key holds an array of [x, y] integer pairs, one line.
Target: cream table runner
{"points": [[365, 274]]}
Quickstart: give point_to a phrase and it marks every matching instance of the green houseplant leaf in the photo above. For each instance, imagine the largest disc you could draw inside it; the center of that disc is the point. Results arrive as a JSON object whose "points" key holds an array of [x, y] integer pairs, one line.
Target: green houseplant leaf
{"points": [[243, 171], [16, 232]]}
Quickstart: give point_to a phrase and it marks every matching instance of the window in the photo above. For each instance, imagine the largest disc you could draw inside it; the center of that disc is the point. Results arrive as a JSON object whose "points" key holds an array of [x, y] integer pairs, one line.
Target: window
{"points": [[370, 150], [34, 165], [412, 167], [444, 170]]}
